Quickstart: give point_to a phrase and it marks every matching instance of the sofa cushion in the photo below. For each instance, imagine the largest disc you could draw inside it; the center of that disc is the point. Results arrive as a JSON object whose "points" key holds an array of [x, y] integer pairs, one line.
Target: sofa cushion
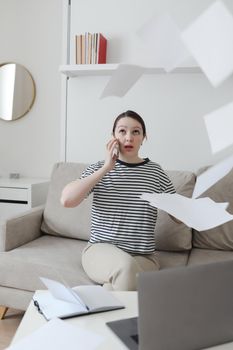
{"points": [[172, 259], [169, 235], [66, 222], [220, 237], [52, 257], [204, 256]]}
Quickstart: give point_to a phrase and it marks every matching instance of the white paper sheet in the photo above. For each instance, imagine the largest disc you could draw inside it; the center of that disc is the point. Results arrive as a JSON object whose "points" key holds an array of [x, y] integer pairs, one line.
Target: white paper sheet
{"points": [[58, 335], [212, 176], [219, 125], [209, 39], [59, 291], [162, 39], [200, 214], [124, 77]]}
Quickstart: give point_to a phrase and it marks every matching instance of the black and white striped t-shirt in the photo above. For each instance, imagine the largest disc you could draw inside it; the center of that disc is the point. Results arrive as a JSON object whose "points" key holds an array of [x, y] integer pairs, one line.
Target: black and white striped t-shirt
{"points": [[119, 216]]}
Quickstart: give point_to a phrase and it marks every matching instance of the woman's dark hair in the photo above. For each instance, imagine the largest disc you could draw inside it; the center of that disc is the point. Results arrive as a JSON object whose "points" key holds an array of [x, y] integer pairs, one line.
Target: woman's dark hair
{"points": [[133, 115]]}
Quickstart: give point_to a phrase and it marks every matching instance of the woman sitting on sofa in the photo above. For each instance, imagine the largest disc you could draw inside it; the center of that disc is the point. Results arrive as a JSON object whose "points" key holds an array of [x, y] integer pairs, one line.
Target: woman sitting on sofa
{"points": [[122, 240]]}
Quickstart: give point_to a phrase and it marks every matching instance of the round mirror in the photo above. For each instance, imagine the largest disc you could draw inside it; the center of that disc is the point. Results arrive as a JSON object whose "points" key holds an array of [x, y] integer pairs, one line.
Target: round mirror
{"points": [[17, 91]]}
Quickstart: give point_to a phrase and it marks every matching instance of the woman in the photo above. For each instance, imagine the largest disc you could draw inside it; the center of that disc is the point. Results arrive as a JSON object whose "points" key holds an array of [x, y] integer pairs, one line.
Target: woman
{"points": [[122, 235]]}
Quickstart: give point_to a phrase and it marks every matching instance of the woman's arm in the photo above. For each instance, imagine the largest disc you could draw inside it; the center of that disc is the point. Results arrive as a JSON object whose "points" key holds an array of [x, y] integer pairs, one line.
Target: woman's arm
{"points": [[76, 191]]}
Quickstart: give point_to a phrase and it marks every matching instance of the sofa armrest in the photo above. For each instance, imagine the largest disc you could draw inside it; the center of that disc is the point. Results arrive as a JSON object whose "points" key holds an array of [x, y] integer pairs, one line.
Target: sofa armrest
{"points": [[20, 229]]}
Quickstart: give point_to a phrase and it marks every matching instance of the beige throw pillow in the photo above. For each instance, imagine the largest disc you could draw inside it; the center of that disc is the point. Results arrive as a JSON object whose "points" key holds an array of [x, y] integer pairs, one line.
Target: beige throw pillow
{"points": [[220, 237], [169, 235], [66, 222]]}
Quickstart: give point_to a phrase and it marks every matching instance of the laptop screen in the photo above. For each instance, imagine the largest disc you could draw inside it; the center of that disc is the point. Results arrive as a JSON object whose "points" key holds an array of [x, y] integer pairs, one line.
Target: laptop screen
{"points": [[184, 308]]}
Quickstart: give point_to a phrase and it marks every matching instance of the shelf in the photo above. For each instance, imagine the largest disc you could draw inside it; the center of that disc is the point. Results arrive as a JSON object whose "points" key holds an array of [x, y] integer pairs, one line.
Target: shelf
{"points": [[87, 69], [78, 70]]}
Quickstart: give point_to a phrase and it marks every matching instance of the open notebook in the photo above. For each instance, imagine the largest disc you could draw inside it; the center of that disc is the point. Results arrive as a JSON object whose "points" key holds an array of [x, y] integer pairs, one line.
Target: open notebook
{"points": [[62, 301]]}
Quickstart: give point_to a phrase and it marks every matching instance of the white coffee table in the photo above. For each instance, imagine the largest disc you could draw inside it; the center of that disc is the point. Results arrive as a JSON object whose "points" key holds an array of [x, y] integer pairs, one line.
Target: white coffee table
{"points": [[32, 320]]}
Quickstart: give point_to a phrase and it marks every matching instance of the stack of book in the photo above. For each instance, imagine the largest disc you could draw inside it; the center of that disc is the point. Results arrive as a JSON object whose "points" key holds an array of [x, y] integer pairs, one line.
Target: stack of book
{"points": [[90, 48]]}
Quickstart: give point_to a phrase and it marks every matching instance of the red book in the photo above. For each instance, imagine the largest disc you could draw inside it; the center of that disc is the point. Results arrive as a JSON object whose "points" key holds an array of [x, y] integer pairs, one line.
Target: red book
{"points": [[101, 49]]}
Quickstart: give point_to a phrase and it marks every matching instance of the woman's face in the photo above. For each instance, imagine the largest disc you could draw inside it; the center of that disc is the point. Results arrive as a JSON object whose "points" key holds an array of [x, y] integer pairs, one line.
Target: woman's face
{"points": [[129, 134]]}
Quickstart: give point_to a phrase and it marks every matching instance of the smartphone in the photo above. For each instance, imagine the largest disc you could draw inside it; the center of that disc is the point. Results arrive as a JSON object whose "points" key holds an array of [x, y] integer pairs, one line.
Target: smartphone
{"points": [[115, 151]]}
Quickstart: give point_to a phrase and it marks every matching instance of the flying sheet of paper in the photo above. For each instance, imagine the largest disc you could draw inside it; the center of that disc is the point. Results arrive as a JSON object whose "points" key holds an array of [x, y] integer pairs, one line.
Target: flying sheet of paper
{"points": [[200, 214], [212, 175], [219, 125], [124, 77], [58, 335], [209, 39], [162, 38]]}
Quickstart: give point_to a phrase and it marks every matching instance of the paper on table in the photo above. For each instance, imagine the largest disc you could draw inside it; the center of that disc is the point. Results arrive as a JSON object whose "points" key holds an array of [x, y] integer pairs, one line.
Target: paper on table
{"points": [[162, 38], [124, 77], [212, 175], [219, 125], [209, 39], [58, 335], [200, 214]]}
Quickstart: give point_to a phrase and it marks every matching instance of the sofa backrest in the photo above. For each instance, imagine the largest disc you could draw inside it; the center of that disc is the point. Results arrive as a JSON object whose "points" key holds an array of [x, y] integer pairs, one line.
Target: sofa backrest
{"points": [[76, 222]]}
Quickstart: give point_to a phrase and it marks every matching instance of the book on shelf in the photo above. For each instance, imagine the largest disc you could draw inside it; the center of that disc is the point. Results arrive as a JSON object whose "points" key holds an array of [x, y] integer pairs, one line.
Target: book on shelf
{"points": [[91, 48], [101, 48], [83, 50], [62, 301], [78, 42]]}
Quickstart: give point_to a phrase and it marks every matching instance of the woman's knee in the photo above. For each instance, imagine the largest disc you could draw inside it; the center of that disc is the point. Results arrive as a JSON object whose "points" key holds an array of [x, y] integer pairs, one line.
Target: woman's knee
{"points": [[105, 263], [125, 275]]}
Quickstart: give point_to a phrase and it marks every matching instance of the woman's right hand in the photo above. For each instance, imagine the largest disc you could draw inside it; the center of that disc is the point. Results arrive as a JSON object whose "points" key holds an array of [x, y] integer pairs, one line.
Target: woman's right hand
{"points": [[112, 153]]}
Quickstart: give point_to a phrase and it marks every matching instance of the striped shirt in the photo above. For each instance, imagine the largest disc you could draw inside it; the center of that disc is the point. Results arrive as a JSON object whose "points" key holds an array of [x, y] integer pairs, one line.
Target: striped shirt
{"points": [[119, 216]]}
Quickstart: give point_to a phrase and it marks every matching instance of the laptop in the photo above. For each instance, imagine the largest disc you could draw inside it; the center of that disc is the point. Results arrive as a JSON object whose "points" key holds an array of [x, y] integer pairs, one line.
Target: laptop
{"points": [[183, 308]]}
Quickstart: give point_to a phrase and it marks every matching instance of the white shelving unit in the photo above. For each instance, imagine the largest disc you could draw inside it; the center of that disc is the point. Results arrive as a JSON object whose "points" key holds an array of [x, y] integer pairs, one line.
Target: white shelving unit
{"points": [[76, 70], [19, 195], [76, 78], [79, 70]]}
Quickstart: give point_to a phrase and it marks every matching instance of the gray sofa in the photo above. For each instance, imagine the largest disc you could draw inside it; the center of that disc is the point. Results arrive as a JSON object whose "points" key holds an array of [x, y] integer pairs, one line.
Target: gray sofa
{"points": [[48, 241]]}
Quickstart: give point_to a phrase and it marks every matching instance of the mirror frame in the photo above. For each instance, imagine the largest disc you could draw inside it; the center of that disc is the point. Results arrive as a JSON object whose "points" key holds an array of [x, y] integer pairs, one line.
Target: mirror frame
{"points": [[33, 92]]}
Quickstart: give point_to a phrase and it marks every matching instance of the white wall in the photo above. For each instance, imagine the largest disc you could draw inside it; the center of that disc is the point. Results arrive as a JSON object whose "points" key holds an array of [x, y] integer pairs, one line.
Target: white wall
{"points": [[172, 105], [31, 34]]}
